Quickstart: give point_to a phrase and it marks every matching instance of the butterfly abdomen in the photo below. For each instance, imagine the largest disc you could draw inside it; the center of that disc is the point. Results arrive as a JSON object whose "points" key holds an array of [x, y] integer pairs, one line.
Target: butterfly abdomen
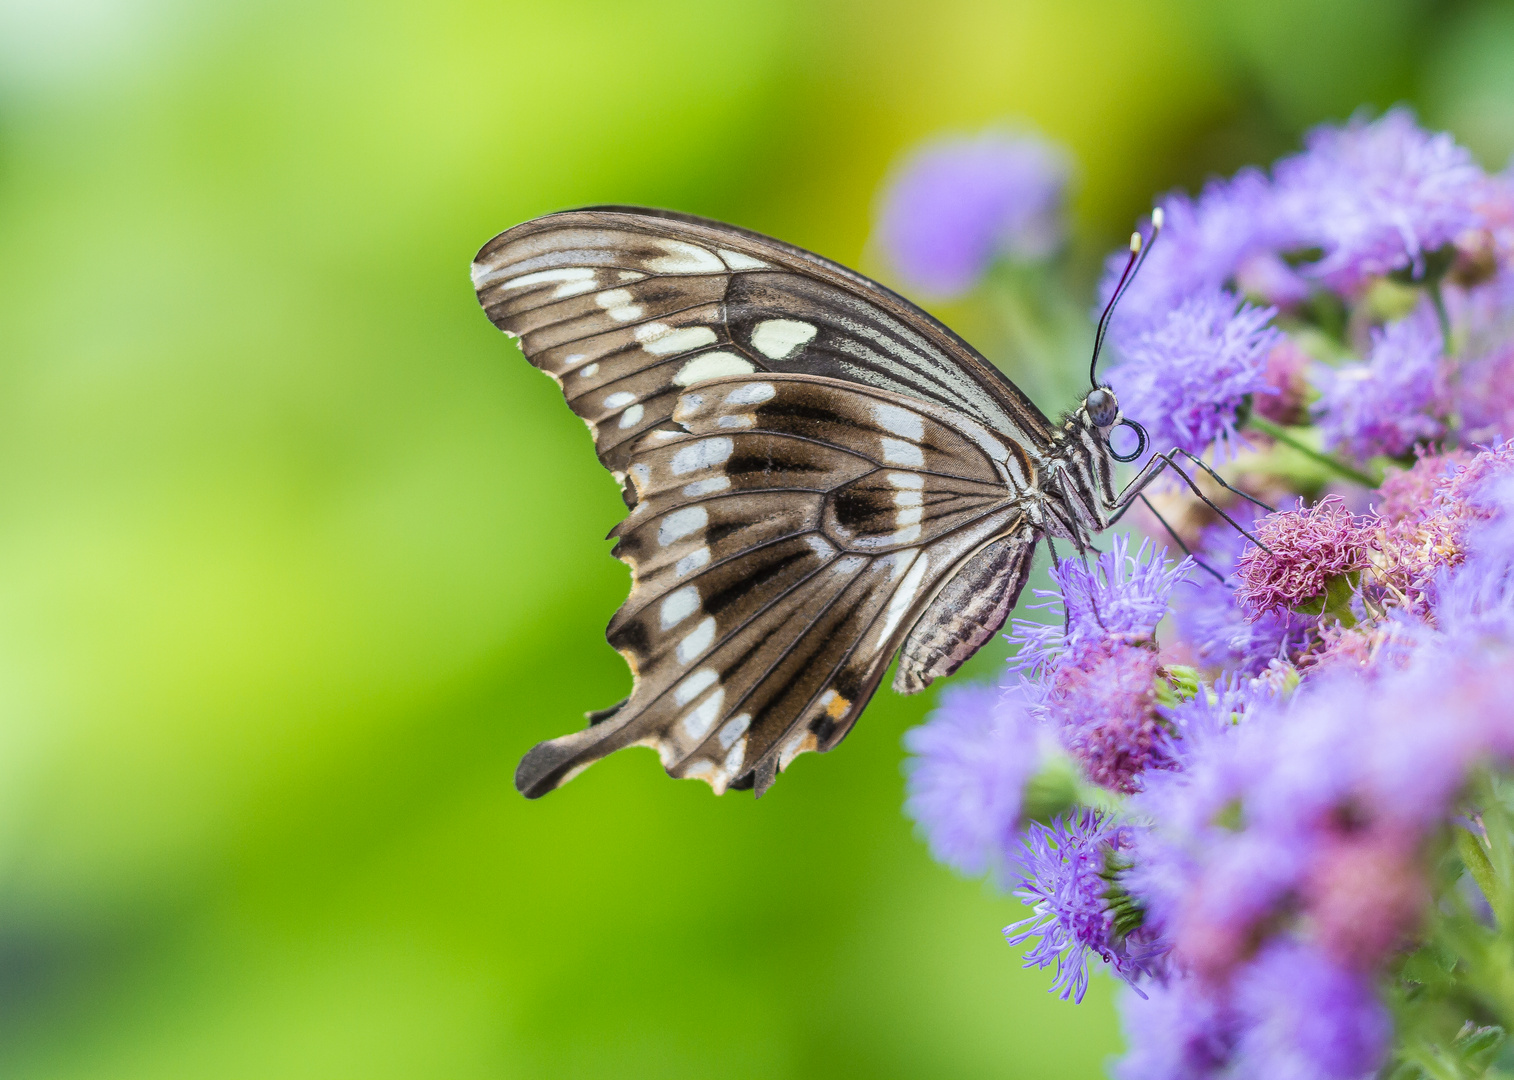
{"points": [[969, 610]]}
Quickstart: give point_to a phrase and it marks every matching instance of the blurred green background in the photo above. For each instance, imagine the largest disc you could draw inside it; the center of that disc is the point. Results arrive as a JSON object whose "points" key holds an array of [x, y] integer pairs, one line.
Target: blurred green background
{"points": [[298, 556]]}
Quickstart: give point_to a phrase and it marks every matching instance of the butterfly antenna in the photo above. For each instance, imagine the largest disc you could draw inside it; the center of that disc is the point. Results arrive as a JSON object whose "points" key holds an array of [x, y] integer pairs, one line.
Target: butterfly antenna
{"points": [[1139, 249]]}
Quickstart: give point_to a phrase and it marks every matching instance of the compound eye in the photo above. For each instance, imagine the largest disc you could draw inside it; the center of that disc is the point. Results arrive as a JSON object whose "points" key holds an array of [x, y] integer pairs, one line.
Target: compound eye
{"points": [[1102, 408]]}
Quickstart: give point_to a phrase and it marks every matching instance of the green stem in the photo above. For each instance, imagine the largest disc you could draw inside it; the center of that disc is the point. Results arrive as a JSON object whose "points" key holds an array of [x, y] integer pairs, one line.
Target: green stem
{"points": [[1278, 432], [1439, 303]]}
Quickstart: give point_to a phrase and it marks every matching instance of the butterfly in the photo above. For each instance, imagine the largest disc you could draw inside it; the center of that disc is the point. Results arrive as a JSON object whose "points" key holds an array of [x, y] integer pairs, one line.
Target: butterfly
{"points": [[819, 476]]}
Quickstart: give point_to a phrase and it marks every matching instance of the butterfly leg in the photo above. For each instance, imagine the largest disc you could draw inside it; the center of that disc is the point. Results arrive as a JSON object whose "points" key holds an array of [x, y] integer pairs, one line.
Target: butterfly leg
{"points": [[1153, 468]]}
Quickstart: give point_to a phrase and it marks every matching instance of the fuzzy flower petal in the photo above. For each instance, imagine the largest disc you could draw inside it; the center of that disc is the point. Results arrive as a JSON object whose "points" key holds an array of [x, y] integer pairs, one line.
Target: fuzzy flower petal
{"points": [[1064, 869], [1204, 243], [1178, 1030], [1307, 1018], [1186, 378], [972, 759], [1395, 400], [1306, 549], [1379, 195], [1122, 596], [956, 204]]}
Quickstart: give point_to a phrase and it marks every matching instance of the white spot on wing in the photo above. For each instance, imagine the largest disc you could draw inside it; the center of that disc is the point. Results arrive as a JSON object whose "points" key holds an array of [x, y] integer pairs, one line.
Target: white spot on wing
{"points": [[737, 421], [734, 758], [704, 454], [750, 394], [909, 515], [632, 416], [692, 561], [903, 597], [678, 606], [706, 487], [619, 400], [617, 304], [694, 685], [906, 480], [900, 422], [734, 729], [681, 523], [682, 258], [908, 534], [588, 371], [819, 545], [713, 365], [698, 721], [908, 498], [780, 338], [574, 279], [899, 452], [696, 641], [737, 261], [676, 341]]}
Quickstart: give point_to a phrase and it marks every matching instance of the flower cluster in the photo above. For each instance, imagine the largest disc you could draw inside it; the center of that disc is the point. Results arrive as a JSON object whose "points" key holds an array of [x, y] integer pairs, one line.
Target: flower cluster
{"points": [[1294, 834], [1361, 282]]}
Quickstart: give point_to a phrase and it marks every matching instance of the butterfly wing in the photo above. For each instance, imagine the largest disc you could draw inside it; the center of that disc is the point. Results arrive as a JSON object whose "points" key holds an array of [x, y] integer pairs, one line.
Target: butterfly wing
{"points": [[783, 542], [637, 314], [625, 307]]}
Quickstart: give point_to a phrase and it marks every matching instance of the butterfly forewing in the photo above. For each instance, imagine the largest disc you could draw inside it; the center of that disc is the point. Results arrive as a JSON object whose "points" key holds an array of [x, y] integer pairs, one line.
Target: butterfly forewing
{"points": [[809, 459], [624, 309]]}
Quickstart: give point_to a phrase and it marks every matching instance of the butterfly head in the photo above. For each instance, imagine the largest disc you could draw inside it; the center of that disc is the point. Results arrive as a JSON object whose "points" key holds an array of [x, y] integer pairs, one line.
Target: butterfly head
{"points": [[1101, 415]]}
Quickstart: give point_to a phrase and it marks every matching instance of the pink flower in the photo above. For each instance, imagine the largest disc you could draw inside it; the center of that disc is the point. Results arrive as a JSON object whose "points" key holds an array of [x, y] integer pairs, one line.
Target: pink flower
{"points": [[1306, 549]]}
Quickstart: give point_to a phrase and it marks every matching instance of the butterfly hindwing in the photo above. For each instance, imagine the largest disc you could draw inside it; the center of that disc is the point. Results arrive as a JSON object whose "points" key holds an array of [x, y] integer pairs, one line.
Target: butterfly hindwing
{"points": [[784, 539]]}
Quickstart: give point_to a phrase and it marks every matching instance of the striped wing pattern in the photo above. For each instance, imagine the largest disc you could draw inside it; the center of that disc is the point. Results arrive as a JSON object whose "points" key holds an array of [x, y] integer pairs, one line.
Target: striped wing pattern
{"points": [[625, 309], [779, 553], [782, 544]]}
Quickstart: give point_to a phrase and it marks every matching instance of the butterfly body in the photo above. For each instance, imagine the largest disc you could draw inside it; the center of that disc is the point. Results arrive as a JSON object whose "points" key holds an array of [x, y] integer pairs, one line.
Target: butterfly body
{"points": [[819, 476]]}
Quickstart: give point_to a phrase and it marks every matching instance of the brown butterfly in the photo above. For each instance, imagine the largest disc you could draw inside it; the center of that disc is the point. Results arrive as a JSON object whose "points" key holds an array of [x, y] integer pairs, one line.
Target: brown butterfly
{"points": [[820, 475]]}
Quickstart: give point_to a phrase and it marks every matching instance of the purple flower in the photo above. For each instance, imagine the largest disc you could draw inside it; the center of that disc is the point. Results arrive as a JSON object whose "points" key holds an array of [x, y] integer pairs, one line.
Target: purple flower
{"points": [[1186, 377], [1209, 618], [1205, 242], [1395, 400], [971, 761], [1179, 1030], [1307, 1018], [957, 203], [1122, 596], [1095, 678], [1378, 196], [1485, 395], [1064, 876]]}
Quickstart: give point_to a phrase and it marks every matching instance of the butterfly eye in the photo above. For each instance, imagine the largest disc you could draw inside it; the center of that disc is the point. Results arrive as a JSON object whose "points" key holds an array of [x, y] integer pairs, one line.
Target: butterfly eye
{"points": [[1102, 408]]}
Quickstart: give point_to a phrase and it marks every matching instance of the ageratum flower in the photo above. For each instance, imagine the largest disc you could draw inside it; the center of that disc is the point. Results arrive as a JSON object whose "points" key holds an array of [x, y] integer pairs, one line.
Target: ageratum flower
{"points": [[1064, 875], [1205, 243], [1121, 597], [1379, 196], [1094, 680], [956, 204], [1210, 620], [1105, 707], [1179, 1029], [1305, 1017], [1187, 376], [1307, 550], [972, 759], [1396, 400]]}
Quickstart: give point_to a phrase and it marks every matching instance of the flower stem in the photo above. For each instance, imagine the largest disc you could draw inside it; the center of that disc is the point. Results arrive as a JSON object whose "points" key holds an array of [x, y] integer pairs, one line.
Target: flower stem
{"points": [[1278, 432], [1438, 301]]}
